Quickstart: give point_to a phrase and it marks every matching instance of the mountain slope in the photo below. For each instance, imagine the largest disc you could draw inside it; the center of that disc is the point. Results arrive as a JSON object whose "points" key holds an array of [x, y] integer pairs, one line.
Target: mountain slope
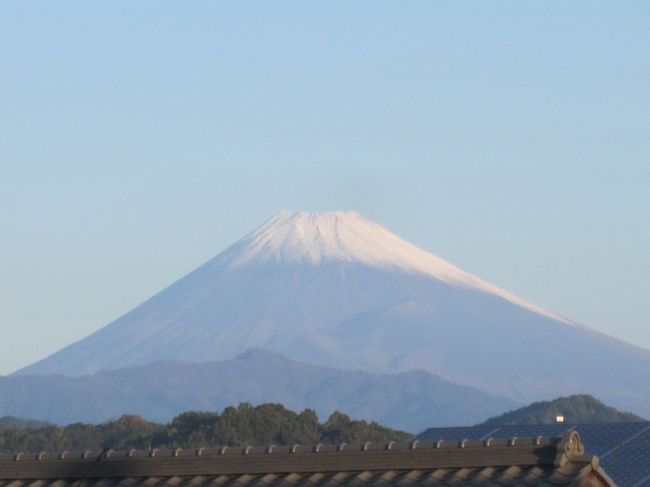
{"points": [[576, 409], [335, 289], [409, 400]]}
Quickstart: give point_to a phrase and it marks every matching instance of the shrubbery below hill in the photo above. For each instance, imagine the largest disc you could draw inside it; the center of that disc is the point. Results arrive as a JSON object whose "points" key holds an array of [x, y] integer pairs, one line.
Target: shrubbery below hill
{"points": [[244, 425]]}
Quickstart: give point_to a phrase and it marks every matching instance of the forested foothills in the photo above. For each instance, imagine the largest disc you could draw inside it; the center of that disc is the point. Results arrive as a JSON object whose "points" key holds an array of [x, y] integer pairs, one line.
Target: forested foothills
{"points": [[576, 409], [244, 425]]}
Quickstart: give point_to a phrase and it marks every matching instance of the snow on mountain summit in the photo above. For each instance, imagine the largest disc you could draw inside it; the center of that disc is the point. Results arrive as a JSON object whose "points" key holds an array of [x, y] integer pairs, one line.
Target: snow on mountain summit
{"points": [[315, 237], [312, 238]]}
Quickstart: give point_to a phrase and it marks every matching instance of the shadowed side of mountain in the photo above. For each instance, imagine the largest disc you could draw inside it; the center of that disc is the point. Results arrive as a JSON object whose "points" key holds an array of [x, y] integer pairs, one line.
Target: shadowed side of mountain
{"points": [[409, 400]]}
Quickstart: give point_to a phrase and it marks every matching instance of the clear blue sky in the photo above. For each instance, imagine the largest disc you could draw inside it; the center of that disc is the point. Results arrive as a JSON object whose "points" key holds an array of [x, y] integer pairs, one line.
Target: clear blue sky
{"points": [[138, 139]]}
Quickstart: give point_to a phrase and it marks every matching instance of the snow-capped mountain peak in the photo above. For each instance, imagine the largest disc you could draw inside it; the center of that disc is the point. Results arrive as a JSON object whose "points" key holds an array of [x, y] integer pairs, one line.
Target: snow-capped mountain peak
{"points": [[312, 238]]}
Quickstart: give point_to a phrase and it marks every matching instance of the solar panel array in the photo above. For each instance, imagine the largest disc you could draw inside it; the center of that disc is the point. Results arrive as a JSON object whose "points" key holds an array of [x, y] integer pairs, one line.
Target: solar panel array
{"points": [[623, 448]]}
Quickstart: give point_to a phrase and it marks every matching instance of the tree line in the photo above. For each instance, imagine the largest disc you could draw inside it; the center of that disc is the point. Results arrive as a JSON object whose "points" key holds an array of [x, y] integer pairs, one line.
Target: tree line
{"points": [[244, 425]]}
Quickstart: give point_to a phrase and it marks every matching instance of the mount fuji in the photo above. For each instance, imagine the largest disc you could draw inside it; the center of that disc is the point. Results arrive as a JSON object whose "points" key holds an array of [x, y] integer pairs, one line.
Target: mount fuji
{"points": [[334, 289]]}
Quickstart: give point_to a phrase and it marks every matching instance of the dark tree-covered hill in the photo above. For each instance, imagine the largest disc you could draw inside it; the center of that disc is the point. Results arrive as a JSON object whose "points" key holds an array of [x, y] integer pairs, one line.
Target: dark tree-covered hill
{"points": [[245, 425], [576, 409], [20, 423]]}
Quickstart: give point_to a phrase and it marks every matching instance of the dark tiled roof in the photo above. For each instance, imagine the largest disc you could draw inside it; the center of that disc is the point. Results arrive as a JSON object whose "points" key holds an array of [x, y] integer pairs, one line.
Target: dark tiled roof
{"points": [[499, 463], [623, 448]]}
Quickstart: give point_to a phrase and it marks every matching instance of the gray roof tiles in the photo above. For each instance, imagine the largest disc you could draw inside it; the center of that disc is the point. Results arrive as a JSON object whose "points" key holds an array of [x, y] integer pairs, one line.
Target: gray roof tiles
{"points": [[622, 448], [526, 462]]}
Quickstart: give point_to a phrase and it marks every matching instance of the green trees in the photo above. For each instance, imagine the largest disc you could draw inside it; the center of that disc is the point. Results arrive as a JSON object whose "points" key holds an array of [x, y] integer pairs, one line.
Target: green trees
{"points": [[266, 424]]}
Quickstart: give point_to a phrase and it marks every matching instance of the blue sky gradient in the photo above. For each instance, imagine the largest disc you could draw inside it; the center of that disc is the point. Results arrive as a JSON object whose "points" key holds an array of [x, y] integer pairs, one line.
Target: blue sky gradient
{"points": [[138, 139]]}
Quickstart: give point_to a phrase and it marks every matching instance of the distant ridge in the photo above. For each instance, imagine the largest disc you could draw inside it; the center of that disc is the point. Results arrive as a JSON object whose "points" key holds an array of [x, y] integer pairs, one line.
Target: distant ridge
{"points": [[410, 400], [338, 290], [577, 409]]}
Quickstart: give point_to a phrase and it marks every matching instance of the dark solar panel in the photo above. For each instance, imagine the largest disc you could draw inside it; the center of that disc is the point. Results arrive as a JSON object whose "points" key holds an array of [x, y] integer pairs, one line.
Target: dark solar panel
{"points": [[602, 438], [644, 438], [470, 433], [644, 482], [483, 432], [627, 466], [630, 460], [532, 430], [623, 448]]}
